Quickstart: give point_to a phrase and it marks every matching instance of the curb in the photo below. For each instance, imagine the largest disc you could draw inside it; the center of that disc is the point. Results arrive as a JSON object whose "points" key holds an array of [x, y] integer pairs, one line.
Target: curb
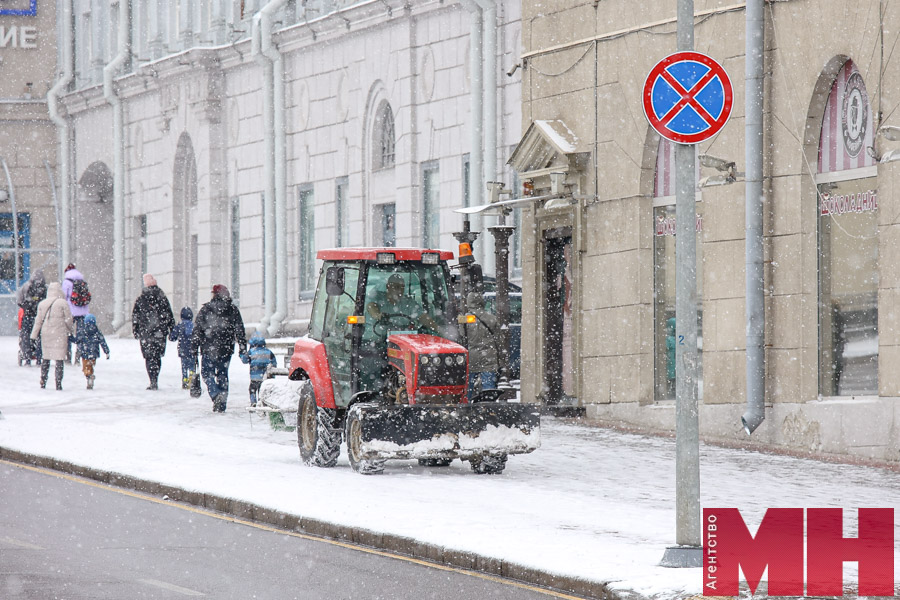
{"points": [[364, 537]]}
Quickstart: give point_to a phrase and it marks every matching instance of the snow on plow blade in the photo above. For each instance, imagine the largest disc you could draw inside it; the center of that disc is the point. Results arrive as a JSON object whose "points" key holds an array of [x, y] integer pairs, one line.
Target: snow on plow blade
{"points": [[463, 430]]}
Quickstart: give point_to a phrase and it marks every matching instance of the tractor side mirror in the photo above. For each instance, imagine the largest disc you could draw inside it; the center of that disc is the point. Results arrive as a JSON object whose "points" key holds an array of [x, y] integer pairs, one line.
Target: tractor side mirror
{"points": [[334, 281]]}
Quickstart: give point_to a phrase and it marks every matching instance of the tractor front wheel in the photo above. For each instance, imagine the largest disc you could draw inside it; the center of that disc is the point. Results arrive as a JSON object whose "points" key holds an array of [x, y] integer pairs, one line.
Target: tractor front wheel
{"points": [[318, 435], [353, 433]]}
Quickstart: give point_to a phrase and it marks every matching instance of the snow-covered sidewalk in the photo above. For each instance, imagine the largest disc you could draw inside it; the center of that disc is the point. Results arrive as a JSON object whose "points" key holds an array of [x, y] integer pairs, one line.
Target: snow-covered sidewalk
{"points": [[590, 503]]}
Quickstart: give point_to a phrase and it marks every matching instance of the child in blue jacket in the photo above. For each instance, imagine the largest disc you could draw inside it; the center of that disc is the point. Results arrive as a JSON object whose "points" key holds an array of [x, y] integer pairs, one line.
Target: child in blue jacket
{"points": [[182, 333], [88, 339], [259, 358]]}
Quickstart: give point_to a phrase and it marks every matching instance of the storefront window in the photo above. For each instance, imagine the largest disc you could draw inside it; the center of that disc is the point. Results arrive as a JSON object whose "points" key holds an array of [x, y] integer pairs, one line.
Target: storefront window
{"points": [[847, 215], [664, 339], [848, 287]]}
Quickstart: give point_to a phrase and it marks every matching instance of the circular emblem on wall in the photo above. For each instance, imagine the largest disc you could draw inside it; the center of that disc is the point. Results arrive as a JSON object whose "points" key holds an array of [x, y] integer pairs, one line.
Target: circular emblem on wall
{"points": [[854, 114]]}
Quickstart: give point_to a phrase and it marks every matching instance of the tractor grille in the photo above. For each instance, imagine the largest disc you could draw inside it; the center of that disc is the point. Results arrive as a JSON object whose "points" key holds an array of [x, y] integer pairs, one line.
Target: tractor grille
{"points": [[441, 374]]}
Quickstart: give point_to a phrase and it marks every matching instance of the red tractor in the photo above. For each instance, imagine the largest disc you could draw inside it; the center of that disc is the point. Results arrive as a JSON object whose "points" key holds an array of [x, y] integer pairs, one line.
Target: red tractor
{"points": [[382, 368]]}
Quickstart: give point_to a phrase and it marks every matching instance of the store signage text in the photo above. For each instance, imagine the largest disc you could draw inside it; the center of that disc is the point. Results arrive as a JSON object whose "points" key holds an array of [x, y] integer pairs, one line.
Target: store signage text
{"points": [[848, 203], [18, 37], [729, 548], [666, 225]]}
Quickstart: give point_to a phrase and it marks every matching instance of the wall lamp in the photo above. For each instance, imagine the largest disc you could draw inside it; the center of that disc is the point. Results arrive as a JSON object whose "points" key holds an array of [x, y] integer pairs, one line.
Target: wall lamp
{"points": [[726, 167]]}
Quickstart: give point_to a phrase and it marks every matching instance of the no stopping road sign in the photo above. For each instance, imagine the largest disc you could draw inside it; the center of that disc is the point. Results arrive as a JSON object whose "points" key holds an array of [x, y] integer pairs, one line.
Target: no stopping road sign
{"points": [[687, 97]]}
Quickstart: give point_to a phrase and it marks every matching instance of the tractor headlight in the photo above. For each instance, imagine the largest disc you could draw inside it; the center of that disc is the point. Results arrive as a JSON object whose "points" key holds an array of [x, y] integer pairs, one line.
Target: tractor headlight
{"points": [[423, 360], [448, 360], [460, 359]]}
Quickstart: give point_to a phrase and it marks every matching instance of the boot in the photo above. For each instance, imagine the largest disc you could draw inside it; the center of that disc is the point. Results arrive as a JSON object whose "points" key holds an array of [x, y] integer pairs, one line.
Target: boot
{"points": [[45, 372], [59, 375], [153, 384], [90, 382]]}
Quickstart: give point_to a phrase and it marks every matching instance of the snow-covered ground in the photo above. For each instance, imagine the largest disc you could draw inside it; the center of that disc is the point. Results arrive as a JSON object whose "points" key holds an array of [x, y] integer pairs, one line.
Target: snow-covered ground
{"points": [[590, 503]]}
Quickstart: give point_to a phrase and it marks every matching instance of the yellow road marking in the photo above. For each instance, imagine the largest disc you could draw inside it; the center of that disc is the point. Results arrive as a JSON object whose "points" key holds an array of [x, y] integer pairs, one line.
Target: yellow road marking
{"points": [[349, 546], [20, 544]]}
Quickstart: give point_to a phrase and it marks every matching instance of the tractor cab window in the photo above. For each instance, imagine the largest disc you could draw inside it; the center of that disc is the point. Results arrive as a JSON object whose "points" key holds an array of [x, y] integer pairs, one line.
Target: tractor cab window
{"points": [[408, 297], [317, 319], [338, 308]]}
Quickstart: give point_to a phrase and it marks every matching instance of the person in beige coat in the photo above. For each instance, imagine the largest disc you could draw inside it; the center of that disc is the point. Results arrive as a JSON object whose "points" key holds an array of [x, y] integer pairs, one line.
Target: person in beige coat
{"points": [[53, 324]]}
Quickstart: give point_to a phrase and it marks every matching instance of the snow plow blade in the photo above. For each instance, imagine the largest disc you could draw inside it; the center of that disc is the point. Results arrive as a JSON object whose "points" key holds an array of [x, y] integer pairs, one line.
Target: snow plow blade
{"points": [[456, 431]]}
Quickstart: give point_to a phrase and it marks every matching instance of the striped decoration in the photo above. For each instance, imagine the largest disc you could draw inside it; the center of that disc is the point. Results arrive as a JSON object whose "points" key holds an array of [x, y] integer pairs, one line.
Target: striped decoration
{"points": [[664, 175], [848, 126]]}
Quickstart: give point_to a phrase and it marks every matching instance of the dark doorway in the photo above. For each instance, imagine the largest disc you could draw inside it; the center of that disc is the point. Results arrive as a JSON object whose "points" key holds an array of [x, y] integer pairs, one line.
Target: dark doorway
{"points": [[559, 376]]}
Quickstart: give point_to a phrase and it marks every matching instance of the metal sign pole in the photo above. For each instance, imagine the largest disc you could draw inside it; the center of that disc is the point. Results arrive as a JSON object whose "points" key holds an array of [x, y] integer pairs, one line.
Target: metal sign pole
{"points": [[688, 552]]}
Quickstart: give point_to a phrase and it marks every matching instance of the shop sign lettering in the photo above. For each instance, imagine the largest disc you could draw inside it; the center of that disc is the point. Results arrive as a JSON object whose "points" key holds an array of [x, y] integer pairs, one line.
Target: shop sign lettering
{"points": [[848, 203], [18, 37], [665, 226]]}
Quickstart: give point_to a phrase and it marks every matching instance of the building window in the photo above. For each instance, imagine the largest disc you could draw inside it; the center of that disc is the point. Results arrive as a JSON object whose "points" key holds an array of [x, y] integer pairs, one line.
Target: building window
{"points": [[262, 217], [466, 173], [383, 142], [847, 215], [664, 276], [307, 243], [341, 212], [142, 237], [431, 205], [385, 233], [235, 248], [10, 277]]}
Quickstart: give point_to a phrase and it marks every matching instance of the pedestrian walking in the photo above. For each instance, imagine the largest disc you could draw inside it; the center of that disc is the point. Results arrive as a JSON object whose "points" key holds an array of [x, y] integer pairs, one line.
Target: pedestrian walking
{"points": [[259, 358], [89, 339], [181, 333], [483, 338], [28, 297], [78, 296], [216, 329], [151, 322], [53, 324]]}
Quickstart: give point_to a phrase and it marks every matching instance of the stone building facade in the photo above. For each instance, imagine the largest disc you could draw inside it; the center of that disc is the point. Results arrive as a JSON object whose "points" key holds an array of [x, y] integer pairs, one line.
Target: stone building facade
{"points": [[598, 269], [376, 125], [27, 149]]}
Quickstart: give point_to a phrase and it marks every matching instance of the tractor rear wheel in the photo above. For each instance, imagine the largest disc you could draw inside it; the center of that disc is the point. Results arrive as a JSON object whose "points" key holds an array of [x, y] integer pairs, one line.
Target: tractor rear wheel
{"points": [[353, 433], [492, 464], [318, 435]]}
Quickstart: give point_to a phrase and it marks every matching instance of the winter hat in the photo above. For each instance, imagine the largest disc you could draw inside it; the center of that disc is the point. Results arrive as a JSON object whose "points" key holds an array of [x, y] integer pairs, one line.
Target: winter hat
{"points": [[220, 291], [186, 313], [90, 319], [257, 339], [149, 280], [69, 267]]}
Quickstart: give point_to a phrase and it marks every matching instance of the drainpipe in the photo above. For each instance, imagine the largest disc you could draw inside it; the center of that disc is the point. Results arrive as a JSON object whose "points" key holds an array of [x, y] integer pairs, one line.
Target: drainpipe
{"points": [[756, 368], [476, 119], [265, 53], [109, 93], [489, 65], [63, 130]]}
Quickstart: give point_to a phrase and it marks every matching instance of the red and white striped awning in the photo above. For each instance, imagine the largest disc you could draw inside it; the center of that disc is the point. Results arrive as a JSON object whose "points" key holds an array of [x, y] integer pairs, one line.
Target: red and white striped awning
{"points": [[848, 126]]}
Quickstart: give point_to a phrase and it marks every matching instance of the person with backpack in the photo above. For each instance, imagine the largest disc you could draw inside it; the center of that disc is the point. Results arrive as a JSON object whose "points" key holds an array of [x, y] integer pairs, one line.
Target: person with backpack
{"points": [[483, 339], [218, 326], [28, 297], [89, 340], [182, 334], [77, 294], [259, 359], [53, 325], [151, 323]]}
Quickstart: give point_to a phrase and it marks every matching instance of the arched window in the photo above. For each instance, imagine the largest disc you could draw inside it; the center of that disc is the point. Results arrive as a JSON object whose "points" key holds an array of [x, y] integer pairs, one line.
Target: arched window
{"points": [[383, 138], [847, 215]]}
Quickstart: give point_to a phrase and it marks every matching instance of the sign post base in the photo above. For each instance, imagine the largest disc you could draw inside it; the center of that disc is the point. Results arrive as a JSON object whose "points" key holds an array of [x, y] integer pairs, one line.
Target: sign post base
{"points": [[679, 557]]}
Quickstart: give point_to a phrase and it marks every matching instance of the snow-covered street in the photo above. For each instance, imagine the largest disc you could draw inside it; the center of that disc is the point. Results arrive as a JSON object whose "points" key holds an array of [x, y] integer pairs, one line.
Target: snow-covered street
{"points": [[591, 503]]}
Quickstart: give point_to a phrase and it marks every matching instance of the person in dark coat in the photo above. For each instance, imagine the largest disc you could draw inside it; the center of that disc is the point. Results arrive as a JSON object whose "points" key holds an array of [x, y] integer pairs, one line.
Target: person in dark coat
{"points": [[259, 359], [89, 339], [28, 297], [151, 322], [483, 344], [216, 329], [182, 334]]}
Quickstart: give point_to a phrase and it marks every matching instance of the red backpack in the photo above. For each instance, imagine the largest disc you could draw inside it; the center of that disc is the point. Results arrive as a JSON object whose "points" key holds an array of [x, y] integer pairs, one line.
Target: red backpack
{"points": [[81, 296]]}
